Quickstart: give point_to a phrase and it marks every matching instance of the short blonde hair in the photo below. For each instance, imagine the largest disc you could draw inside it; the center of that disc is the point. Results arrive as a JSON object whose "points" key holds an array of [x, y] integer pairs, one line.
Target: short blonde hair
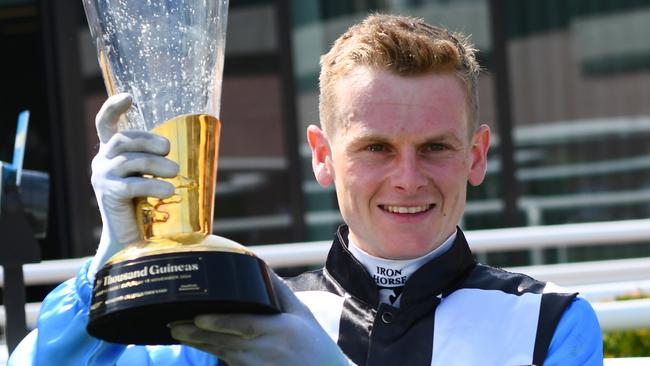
{"points": [[403, 45]]}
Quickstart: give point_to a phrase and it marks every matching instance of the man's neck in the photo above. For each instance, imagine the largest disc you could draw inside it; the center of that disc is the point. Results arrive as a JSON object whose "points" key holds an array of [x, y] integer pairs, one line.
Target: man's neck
{"points": [[391, 275]]}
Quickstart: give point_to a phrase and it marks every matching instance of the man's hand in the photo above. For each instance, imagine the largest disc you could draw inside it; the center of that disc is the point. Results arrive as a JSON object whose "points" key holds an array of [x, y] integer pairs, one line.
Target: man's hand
{"points": [[291, 338], [117, 171]]}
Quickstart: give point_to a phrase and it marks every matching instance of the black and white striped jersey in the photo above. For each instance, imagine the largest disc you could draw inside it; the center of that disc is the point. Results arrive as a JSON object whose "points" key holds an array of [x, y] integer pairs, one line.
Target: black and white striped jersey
{"points": [[454, 311]]}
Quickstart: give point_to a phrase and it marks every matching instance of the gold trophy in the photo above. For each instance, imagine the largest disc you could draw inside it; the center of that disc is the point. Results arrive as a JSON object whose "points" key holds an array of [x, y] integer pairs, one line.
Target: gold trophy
{"points": [[168, 54]]}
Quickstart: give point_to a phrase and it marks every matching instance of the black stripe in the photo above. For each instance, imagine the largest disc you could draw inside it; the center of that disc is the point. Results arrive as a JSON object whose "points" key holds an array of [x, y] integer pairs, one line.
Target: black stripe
{"points": [[354, 329], [441, 274], [489, 278], [551, 309], [409, 330], [349, 272]]}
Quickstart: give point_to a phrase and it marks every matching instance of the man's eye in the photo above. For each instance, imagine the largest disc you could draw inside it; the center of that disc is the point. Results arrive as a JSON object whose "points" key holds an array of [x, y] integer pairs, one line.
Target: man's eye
{"points": [[376, 148], [436, 147]]}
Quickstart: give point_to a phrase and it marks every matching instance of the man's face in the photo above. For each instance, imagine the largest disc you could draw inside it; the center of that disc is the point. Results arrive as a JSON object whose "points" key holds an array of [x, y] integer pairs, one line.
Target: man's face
{"points": [[400, 159]]}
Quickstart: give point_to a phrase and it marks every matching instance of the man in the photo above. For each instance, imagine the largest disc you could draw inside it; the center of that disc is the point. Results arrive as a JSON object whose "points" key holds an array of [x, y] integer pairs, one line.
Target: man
{"points": [[400, 140]]}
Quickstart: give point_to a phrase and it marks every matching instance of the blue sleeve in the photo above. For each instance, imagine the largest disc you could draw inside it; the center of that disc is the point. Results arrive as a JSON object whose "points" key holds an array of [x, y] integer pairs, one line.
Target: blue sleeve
{"points": [[577, 339], [61, 339]]}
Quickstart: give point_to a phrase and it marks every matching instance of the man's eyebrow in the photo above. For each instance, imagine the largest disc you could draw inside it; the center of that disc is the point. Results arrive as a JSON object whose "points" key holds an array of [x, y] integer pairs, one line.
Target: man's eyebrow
{"points": [[369, 137], [448, 137]]}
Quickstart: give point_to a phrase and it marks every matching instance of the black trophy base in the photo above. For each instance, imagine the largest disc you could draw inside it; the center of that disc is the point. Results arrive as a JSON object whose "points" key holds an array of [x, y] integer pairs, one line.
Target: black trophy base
{"points": [[134, 301]]}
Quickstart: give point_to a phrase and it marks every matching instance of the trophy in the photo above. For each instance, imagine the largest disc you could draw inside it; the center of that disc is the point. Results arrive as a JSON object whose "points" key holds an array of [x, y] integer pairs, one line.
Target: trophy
{"points": [[168, 54]]}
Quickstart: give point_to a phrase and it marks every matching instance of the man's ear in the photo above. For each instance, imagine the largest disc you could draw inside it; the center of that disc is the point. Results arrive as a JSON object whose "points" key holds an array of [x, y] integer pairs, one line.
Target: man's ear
{"points": [[478, 153], [321, 156]]}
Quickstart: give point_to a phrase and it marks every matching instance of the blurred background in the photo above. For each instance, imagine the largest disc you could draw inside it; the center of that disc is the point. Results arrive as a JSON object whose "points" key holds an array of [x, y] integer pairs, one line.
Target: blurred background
{"points": [[565, 88]]}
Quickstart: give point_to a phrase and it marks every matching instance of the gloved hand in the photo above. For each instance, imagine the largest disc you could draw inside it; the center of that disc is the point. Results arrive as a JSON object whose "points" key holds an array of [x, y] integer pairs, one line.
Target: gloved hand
{"points": [[290, 338], [117, 171]]}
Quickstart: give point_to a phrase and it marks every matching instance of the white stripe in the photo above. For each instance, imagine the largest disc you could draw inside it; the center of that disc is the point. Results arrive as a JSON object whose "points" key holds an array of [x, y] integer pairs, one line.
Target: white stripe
{"points": [[553, 288], [326, 307], [502, 326]]}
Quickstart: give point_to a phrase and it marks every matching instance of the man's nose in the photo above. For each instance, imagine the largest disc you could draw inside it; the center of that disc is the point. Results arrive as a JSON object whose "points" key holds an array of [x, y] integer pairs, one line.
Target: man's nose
{"points": [[408, 175]]}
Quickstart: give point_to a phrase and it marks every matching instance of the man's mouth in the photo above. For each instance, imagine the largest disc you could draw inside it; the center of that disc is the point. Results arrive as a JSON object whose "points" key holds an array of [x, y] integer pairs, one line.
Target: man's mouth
{"points": [[406, 209]]}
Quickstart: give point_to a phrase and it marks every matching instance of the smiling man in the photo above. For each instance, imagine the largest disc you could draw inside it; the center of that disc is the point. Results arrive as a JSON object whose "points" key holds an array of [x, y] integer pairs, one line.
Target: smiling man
{"points": [[400, 141], [400, 159]]}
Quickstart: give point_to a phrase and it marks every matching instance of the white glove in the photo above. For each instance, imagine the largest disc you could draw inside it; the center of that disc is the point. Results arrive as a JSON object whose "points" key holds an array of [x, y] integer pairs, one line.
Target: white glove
{"points": [[117, 171], [290, 338]]}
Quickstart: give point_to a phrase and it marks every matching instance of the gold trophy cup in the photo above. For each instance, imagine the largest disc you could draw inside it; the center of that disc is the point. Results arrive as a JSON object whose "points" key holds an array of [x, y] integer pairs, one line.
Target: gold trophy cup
{"points": [[169, 56]]}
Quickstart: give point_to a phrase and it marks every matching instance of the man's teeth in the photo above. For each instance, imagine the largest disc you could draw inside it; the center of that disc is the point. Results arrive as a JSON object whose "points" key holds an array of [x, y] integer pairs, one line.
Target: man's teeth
{"points": [[404, 210]]}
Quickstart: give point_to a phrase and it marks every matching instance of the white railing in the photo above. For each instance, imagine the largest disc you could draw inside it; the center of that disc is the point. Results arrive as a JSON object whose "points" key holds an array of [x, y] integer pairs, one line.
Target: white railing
{"points": [[524, 238], [619, 315], [285, 255], [594, 272], [599, 292]]}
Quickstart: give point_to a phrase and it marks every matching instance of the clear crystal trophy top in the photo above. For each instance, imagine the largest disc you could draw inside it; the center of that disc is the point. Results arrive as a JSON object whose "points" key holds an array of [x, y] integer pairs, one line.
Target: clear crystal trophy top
{"points": [[168, 54]]}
